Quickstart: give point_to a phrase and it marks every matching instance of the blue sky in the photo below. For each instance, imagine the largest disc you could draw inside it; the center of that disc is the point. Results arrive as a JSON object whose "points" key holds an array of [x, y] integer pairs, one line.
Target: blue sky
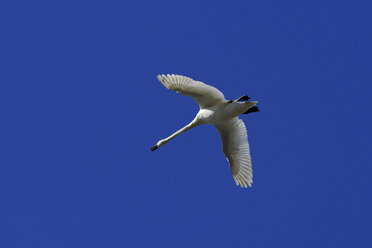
{"points": [[81, 106]]}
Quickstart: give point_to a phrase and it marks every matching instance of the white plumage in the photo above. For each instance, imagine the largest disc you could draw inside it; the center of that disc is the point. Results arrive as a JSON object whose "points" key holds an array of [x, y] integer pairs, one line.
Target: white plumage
{"points": [[205, 95], [215, 110]]}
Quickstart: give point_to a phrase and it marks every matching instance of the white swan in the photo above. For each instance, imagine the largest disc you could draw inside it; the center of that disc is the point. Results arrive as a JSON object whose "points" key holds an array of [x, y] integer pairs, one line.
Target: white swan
{"points": [[214, 109]]}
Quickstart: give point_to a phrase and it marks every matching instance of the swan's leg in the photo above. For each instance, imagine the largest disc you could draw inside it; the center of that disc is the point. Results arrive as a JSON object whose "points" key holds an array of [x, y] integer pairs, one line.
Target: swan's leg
{"points": [[251, 110], [243, 98]]}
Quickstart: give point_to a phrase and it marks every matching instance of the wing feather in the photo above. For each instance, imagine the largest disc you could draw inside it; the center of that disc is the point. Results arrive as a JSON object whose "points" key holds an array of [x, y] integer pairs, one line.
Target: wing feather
{"points": [[236, 149], [205, 95]]}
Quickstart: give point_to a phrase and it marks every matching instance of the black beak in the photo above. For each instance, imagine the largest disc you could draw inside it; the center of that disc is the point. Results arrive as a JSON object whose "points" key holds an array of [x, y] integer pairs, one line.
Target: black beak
{"points": [[154, 148]]}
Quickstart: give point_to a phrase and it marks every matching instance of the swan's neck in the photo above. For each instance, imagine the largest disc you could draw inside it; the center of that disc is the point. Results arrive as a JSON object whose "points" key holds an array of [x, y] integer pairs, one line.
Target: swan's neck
{"points": [[182, 130]]}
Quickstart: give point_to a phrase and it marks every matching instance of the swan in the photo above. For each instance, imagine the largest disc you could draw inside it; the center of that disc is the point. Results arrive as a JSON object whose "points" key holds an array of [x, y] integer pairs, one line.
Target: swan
{"points": [[223, 114]]}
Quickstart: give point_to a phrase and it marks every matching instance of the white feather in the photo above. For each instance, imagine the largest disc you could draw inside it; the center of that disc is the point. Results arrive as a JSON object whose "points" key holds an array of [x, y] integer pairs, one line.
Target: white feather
{"points": [[236, 149], [205, 95]]}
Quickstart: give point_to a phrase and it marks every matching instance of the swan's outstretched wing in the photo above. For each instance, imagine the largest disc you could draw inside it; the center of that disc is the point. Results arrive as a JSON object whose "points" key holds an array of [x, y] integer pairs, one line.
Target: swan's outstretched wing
{"points": [[236, 149], [205, 95]]}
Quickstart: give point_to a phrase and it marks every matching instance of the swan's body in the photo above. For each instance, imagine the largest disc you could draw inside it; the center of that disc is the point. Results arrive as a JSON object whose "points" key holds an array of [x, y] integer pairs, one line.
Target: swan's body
{"points": [[216, 110]]}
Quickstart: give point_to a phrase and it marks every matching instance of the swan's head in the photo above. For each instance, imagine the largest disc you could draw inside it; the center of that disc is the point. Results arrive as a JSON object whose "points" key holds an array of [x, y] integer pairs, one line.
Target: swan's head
{"points": [[159, 144]]}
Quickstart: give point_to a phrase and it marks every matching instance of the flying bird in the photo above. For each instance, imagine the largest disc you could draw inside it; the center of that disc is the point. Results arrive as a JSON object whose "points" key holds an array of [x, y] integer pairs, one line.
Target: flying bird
{"points": [[223, 114]]}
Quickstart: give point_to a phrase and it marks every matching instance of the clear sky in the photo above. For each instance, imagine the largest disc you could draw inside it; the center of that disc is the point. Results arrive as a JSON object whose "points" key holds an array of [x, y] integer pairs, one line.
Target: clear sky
{"points": [[81, 106]]}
